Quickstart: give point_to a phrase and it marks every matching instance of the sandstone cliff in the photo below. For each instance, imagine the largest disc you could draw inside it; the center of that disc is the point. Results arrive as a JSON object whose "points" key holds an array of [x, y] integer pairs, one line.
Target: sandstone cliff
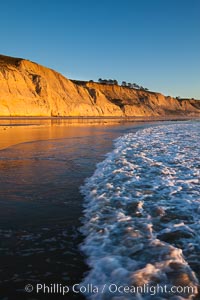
{"points": [[29, 89]]}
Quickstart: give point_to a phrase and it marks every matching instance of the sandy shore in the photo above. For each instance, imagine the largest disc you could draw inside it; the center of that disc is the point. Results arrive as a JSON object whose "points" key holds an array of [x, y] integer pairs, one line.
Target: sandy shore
{"points": [[21, 129], [41, 206]]}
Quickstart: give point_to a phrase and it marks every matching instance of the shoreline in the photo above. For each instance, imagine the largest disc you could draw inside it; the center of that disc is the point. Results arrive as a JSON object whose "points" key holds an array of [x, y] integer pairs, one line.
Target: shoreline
{"points": [[139, 119], [66, 264], [53, 220], [16, 130]]}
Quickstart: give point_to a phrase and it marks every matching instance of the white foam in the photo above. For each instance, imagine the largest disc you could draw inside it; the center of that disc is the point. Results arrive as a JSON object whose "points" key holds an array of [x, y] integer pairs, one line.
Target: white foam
{"points": [[142, 204]]}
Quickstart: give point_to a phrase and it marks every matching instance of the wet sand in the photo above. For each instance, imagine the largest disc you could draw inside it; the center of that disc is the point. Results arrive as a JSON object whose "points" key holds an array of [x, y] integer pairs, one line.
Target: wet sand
{"points": [[42, 165], [49, 128]]}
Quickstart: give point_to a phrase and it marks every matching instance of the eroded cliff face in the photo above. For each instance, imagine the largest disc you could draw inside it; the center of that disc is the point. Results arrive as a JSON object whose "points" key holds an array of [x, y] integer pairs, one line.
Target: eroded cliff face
{"points": [[142, 103], [28, 89]]}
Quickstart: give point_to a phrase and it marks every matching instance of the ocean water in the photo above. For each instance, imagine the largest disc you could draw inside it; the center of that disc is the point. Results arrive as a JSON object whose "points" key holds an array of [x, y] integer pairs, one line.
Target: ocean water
{"points": [[142, 216]]}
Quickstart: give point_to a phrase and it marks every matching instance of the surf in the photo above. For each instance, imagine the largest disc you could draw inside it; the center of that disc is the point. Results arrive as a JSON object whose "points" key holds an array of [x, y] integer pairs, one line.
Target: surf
{"points": [[141, 213]]}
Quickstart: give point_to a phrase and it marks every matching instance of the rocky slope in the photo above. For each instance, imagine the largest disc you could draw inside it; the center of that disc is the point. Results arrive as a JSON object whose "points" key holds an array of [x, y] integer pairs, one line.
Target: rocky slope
{"points": [[29, 89]]}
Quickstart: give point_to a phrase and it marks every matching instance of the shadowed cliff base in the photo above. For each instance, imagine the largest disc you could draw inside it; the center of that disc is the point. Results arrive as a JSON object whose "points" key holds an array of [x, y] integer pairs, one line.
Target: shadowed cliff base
{"points": [[29, 89]]}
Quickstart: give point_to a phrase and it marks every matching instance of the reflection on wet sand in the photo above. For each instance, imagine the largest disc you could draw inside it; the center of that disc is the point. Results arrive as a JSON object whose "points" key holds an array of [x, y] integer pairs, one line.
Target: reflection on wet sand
{"points": [[42, 165], [16, 131]]}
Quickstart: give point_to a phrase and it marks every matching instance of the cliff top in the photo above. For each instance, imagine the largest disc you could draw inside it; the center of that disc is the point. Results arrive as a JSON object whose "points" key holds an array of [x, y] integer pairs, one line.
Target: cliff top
{"points": [[10, 60]]}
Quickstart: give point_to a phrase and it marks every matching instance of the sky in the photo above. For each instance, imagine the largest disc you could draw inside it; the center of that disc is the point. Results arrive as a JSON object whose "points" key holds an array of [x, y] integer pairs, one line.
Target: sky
{"points": [[154, 43]]}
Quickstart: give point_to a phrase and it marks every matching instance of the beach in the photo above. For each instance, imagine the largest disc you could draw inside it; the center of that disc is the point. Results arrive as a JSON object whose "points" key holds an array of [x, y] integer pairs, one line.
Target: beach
{"points": [[43, 165]]}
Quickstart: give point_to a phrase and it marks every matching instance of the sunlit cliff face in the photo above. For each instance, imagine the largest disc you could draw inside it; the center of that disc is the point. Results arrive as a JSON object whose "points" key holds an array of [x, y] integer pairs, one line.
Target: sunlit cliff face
{"points": [[28, 89]]}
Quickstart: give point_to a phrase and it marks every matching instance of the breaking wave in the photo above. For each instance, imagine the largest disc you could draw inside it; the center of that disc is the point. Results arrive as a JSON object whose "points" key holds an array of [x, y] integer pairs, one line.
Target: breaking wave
{"points": [[141, 213]]}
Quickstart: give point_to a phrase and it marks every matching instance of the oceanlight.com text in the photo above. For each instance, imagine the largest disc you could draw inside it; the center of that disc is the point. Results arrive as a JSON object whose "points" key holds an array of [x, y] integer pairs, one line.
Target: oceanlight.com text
{"points": [[113, 289]]}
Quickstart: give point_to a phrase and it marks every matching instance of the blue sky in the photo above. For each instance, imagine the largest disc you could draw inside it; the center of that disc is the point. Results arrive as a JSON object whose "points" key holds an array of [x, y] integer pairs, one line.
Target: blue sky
{"points": [[154, 43]]}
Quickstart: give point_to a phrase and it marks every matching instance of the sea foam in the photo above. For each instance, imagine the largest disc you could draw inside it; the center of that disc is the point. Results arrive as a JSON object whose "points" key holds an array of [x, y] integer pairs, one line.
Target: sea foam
{"points": [[141, 213]]}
